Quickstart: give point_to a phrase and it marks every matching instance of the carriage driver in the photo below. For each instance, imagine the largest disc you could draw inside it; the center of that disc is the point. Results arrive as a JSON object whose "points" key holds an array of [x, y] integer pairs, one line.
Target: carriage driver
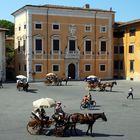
{"points": [[43, 115], [59, 111]]}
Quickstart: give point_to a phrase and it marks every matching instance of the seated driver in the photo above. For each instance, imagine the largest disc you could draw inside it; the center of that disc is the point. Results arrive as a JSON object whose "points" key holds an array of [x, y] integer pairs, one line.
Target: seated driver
{"points": [[59, 111], [43, 115]]}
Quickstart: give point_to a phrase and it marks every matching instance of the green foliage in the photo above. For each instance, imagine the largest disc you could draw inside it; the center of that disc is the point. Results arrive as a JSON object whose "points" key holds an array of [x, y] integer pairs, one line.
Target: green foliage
{"points": [[8, 25], [9, 55]]}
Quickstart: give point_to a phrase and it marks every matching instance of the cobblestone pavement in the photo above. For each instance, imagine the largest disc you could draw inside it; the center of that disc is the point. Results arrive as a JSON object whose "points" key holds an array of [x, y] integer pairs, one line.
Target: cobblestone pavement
{"points": [[123, 114]]}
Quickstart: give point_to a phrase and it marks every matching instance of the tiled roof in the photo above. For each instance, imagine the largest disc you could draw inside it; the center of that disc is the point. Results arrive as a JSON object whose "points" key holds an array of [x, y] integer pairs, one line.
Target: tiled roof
{"points": [[129, 22], [64, 7]]}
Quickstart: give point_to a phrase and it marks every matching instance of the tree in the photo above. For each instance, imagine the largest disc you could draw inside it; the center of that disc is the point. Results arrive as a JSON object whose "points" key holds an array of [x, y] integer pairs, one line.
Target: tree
{"points": [[8, 25]]}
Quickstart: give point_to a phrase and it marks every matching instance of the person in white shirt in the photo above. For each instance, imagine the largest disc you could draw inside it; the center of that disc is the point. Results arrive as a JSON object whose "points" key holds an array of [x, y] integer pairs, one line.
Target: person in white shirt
{"points": [[130, 93]]}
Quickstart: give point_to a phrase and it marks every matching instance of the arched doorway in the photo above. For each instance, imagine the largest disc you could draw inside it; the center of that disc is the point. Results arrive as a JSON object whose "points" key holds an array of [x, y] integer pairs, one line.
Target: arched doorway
{"points": [[71, 71]]}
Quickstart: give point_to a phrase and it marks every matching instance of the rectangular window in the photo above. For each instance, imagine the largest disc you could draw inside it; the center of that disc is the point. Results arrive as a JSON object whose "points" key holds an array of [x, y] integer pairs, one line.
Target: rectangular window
{"points": [[38, 68], [88, 28], [116, 50], [88, 45], [116, 65], [72, 45], [19, 28], [121, 51], [56, 26], [131, 49], [38, 26], [102, 67], [18, 46], [103, 47], [103, 29], [56, 68], [132, 32], [24, 26], [121, 65], [118, 34], [25, 67], [131, 65], [24, 42], [87, 67], [38, 44], [56, 45]]}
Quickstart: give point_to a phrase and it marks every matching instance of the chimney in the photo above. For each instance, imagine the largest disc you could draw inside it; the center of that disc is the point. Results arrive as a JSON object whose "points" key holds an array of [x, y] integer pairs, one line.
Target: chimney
{"points": [[87, 6], [110, 8]]}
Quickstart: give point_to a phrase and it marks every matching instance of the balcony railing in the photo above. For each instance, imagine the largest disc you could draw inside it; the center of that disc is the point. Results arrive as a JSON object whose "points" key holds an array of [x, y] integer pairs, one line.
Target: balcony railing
{"points": [[72, 54]]}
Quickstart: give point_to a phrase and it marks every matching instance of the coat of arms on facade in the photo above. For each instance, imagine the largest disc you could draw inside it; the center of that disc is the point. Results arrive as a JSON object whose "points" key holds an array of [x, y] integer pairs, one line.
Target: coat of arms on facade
{"points": [[72, 30]]}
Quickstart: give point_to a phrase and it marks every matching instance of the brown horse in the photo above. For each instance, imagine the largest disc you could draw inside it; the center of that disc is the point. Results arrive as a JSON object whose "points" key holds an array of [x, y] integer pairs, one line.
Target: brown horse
{"points": [[88, 119], [109, 84]]}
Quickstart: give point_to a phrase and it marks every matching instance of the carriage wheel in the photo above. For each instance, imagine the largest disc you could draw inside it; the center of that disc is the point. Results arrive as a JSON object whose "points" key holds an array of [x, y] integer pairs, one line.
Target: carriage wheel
{"points": [[33, 129], [94, 103], [82, 106]]}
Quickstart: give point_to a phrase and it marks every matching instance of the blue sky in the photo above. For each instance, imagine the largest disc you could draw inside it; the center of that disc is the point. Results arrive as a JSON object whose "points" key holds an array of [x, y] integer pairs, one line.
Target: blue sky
{"points": [[126, 10]]}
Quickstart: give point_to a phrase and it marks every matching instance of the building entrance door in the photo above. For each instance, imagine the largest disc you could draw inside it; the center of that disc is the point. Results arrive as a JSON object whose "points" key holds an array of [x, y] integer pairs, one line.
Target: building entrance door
{"points": [[71, 71]]}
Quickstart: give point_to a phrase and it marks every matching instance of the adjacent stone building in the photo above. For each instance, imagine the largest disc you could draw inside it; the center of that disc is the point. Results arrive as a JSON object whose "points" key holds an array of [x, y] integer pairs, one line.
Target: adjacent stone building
{"points": [[2, 55], [127, 50]]}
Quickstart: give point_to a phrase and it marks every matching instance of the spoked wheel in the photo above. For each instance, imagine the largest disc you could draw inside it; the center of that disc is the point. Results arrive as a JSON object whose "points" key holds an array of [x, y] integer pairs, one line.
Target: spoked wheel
{"points": [[82, 106], [33, 128]]}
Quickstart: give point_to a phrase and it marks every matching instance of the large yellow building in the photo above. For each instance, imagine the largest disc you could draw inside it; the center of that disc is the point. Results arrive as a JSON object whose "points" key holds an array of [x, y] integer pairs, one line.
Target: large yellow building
{"points": [[68, 41], [127, 50]]}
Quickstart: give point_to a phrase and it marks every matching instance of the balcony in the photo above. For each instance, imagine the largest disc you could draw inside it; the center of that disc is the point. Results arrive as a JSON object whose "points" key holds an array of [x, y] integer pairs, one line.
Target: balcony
{"points": [[72, 54]]}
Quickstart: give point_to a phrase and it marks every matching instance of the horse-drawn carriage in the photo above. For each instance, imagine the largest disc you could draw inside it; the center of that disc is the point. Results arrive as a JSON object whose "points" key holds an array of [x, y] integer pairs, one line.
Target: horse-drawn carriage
{"points": [[54, 125], [22, 83], [93, 83], [52, 79]]}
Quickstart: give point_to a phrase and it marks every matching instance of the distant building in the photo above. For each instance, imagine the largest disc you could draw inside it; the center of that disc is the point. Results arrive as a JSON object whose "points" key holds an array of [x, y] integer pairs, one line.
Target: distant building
{"points": [[68, 41], [2, 54]]}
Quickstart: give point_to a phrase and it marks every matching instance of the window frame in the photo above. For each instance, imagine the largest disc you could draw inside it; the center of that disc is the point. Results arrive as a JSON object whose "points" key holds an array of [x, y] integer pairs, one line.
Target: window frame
{"points": [[131, 48], [88, 26], [39, 22], [37, 51], [103, 29], [85, 46], [36, 68], [103, 52], [90, 67], [53, 65], [100, 67], [131, 63], [56, 24]]}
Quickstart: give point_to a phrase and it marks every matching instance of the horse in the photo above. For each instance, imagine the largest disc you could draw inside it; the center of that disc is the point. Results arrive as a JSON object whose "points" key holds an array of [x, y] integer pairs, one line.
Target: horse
{"points": [[88, 119], [22, 85], [66, 79], [109, 84]]}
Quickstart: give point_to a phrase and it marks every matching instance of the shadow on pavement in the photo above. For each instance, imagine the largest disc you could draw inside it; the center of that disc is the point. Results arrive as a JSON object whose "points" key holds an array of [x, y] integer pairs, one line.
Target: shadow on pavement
{"points": [[33, 90]]}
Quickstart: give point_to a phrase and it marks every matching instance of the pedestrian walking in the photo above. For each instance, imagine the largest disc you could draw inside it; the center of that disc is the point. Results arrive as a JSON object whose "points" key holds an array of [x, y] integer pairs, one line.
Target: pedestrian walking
{"points": [[130, 93]]}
